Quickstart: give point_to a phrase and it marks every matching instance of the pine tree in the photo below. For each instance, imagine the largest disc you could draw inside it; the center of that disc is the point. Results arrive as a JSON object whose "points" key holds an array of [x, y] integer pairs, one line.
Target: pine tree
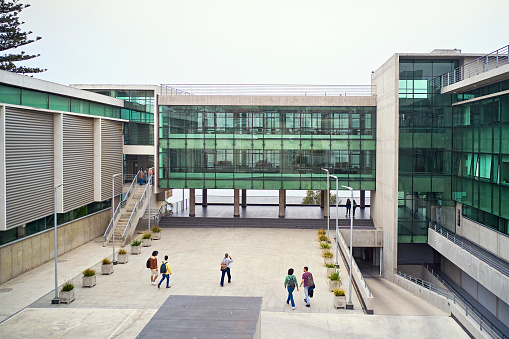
{"points": [[12, 37]]}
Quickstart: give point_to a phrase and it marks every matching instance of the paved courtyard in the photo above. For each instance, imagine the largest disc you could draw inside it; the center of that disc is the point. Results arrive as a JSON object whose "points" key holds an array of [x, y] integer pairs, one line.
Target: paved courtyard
{"points": [[121, 304]]}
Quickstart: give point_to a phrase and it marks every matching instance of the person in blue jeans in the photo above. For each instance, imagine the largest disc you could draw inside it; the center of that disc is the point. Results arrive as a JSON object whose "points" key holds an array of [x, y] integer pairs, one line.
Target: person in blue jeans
{"points": [[307, 280], [166, 271], [290, 285], [225, 268]]}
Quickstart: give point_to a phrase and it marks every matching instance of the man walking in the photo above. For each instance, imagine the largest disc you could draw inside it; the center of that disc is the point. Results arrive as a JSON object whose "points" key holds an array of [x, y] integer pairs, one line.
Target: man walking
{"points": [[307, 281], [165, 271], [225, 268], [153, 268]]}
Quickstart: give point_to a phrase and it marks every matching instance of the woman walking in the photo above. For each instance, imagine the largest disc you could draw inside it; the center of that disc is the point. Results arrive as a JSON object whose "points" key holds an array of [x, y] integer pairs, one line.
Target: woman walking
{"points": [[348, 206], [290, 285]]}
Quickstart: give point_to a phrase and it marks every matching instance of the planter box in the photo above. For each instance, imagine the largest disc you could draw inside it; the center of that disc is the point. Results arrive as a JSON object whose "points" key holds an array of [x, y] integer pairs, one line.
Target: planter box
{"points": [[89, 281], [107, 269], [66, 297], [122, 258], [340, 302], [146, 242], [156, 236], [328, 260], [330, 271], [323, 242], [135, 249], [333, 284]]}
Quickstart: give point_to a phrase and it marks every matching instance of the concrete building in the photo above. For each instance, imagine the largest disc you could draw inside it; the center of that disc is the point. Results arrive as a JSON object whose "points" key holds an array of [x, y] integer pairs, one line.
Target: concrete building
{"points": [[427, 138]]}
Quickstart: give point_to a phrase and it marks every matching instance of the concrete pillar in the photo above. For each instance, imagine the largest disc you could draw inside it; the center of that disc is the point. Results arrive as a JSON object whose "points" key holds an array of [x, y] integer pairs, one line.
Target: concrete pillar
{"points": [[322, 195], [192, 205], [236, 207], [282, 198], [362, 202], [21, 231], [244, 198], [326, 207], [204, 198]]}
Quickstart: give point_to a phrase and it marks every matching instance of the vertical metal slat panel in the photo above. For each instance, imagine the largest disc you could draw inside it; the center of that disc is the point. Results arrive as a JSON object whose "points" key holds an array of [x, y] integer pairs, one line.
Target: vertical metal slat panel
{"points": [[112, 148], [29, 157]]}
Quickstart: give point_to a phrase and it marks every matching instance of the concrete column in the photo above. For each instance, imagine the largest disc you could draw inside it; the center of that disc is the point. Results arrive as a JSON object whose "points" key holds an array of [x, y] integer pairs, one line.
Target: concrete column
{"points": [[362, 202], [326, 206], [282, 198], [236, 208], [244, 198], [322, 195], [21, 231], [204, 198], [192, 205]]}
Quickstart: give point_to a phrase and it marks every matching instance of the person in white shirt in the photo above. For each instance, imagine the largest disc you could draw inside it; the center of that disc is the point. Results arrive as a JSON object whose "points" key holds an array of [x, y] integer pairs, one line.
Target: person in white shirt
{"points": [[225, 268]]}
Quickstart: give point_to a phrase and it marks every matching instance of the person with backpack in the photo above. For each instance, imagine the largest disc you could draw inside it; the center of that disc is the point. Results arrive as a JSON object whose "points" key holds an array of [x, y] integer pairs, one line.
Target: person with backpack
{"points": [[307, 281], [152, 264], [291, 284], [225, 268], [354, 207], [165, 271]]}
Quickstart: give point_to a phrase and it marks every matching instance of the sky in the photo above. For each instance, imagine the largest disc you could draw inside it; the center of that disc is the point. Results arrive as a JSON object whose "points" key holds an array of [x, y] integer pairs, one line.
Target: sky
{"points": [[249, 42]]}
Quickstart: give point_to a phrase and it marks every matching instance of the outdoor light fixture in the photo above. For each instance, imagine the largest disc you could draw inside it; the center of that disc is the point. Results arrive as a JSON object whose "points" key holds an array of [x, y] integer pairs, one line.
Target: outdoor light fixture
{"points": [[328, 210], [337, 216], [56, 300], [113, 215], [349, 305]]}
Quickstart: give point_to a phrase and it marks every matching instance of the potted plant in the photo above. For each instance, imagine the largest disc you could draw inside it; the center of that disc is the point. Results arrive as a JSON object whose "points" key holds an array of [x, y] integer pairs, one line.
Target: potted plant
{"points": [[122, 256], [325, 246], [334, 281], [323, 237], [330, 268], [156, 233], [136, 246], [146, 238], [66, 295], [89, 279], [107, 266], [339, 298], [320, 232], [327, 257]]}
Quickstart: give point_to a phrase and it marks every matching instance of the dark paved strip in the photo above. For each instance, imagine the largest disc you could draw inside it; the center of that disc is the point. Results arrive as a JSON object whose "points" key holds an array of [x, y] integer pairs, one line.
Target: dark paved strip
{"points": [[183, 316]]}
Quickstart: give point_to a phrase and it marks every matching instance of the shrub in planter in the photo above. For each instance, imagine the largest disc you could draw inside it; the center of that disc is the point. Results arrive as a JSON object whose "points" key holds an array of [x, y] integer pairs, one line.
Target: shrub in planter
{"points": [[156, 233], [330, 268], [334, 281], [89, 279], [324, 245], [122, 256], [327, 257], [146, 238], [107, 266], [66, 295], [339, 298], [323, 237], [320, 232], [136, 246]]}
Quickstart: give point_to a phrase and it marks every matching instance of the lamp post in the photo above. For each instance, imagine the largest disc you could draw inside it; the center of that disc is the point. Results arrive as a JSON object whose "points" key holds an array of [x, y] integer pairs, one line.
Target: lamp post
{"points": [[113, 214], [337, 216], [349, 305], [149, 180], [328, 210], [56, 299]]}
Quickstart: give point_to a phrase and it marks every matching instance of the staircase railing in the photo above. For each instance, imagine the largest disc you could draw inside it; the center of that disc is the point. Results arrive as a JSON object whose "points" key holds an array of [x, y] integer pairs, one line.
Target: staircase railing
{"points": [[138, 205], [109, 229]]}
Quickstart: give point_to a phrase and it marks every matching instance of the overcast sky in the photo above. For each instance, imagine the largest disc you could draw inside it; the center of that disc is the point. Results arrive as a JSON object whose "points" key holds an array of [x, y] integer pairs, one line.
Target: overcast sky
{"points": [[252, 42]]}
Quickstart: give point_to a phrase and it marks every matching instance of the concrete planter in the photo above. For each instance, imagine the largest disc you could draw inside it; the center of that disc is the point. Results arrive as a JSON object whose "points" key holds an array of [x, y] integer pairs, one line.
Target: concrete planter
{"points": [[147, 242], [156, 236], [329, 261], [89, 281], [322, 242], [333, 284], [123, 258], [330, 271], [340, 302], [66, 297], [107, 269], [135, 250]]}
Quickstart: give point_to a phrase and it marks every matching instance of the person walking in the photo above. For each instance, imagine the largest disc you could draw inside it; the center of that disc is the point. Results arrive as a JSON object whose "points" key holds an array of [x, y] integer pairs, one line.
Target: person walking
{"points": [[290, 285], [348, 206], [142, 176], [307, 281], [225, 268], [165, 271], [354, 207], [153, 268], [140, 179]]}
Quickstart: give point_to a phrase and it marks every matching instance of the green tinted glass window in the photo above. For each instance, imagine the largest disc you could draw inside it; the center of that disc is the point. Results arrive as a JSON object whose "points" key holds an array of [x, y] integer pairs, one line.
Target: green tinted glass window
{"points": [[10, 95]]}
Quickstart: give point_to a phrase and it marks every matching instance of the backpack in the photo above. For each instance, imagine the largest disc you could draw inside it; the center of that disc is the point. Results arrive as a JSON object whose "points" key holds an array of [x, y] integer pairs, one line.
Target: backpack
{"points": [[148, 263], [291, 283], [163, 268], [309, 280]]}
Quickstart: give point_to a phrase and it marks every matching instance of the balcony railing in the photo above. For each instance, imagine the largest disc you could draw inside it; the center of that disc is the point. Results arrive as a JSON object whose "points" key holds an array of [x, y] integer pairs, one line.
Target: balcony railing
{"points": [[268, 90]]}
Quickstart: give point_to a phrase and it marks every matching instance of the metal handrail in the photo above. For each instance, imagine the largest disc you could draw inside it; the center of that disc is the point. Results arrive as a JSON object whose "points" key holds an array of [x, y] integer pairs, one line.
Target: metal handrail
{"points": [[480, 65], [133, 213], [268, 90], [484, 325], [499, 265], [117, 210]]}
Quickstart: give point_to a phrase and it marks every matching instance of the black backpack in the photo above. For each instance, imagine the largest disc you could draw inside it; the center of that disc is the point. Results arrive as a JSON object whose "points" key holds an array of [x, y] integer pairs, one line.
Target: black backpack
{"points": [[148, 263], [291, 283]]}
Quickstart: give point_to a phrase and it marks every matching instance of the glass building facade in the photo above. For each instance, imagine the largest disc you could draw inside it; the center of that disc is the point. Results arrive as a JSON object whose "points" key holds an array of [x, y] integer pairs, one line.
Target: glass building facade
{"points": [[257, 147]]}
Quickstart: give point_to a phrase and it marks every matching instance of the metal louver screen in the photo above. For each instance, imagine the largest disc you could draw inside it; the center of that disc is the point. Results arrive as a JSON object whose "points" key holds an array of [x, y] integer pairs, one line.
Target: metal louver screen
{"points": [[112, 148], [78, 161], [29, 157]]}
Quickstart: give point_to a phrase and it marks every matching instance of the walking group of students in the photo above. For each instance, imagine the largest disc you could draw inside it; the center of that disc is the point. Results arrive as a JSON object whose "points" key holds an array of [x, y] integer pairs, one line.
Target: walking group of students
{"points": [[291, 284], [144, 175], [349, 207], [165, 270]]}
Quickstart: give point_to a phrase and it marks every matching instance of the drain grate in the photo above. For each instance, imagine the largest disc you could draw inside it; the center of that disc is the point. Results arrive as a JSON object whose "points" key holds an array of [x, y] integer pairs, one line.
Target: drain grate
{"points": [[5, 290]]}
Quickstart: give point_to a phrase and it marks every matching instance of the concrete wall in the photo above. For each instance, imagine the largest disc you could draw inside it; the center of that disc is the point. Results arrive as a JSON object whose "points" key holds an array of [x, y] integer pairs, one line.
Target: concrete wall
{"points": [[385, 209], [28, 253], [364, 238]]}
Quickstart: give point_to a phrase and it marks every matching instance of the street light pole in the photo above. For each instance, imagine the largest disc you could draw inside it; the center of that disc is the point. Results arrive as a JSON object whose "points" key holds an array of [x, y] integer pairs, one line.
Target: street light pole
{"points": [[349, 305], [328, 209], [337, 216], [56, 300], [149, 188], [113, 214]]}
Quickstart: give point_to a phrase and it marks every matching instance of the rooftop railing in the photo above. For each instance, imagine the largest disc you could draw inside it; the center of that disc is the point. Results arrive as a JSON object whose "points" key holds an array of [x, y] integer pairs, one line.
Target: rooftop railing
{"points": [[268, 90], [480, 65]]}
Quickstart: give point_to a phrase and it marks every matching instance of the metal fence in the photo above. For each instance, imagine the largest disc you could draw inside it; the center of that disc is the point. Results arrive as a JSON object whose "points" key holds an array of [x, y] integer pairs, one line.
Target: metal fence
{"points": [[268, 90], [480, 65]]}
